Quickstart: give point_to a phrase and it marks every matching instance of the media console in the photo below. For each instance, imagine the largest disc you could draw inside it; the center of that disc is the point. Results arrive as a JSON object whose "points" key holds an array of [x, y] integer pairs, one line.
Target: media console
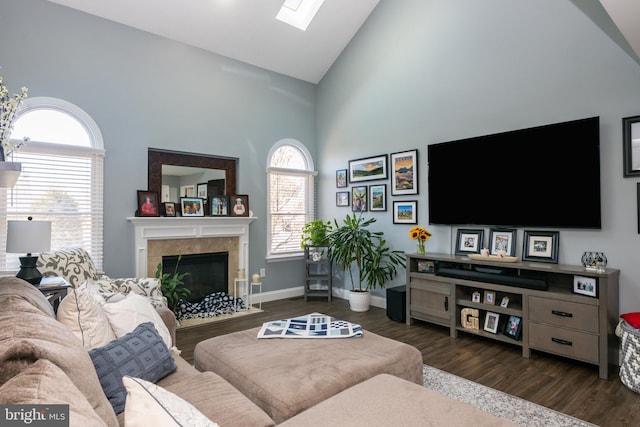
{"points": [[534, 303]]}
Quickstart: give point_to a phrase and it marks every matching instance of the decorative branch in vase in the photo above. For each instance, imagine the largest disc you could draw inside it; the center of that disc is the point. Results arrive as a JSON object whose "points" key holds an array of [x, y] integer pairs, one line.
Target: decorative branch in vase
{"points": [[9, 106]]}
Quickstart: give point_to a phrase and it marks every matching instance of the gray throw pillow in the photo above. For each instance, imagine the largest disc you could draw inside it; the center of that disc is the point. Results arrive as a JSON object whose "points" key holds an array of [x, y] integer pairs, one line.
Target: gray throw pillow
{"points": [[141, 353]]}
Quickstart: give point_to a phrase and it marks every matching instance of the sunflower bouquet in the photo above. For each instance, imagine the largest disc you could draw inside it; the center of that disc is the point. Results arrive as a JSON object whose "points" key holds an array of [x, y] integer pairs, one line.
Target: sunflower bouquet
{"points": [[420, 234]]}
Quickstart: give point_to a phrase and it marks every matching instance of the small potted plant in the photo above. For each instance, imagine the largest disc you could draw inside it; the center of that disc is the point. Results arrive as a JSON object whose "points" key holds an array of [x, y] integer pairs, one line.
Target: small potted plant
{"points": [[172, 285], [354, 247], [315, 233]]}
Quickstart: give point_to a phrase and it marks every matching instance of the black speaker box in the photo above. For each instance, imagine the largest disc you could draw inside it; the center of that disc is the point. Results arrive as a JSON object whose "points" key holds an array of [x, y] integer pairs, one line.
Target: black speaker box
{"points": [[397, 303]]}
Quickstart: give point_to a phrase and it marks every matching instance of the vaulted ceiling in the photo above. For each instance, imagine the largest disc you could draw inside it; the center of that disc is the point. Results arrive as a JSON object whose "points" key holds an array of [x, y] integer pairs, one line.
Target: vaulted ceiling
{"points": [[247, 30]]}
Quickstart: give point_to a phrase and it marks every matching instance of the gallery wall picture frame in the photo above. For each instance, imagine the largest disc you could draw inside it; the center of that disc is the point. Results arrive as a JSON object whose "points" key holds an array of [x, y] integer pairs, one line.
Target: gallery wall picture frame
{"points": [[219, 205], [368, 169], [585, 286], [378, 197], [491, 322], [342, 198], [239, 205], [541, 246], [405, 211], [169, 209], [469, 241], [341, 178], [404, 166], [201, 190], [630, 132], [502, 239], [359, 202], [513, 328], [148, 203], [192, 206]]}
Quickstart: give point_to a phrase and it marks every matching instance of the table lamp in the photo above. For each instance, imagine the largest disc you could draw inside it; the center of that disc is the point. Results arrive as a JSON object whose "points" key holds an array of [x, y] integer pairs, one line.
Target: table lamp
{"points": [[29, 237]]}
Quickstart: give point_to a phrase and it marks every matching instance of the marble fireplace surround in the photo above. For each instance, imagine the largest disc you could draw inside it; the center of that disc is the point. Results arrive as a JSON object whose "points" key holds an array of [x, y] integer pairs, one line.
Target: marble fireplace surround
{"points": [[155, 237]]}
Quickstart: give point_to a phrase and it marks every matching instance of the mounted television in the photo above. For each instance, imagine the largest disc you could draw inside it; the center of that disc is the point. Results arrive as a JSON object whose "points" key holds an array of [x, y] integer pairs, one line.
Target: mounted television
{"points": [[545, 176]]}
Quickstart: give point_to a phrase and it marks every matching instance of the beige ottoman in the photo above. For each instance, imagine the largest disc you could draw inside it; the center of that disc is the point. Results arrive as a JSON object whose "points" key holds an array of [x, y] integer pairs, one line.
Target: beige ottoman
{"points": [[286, 376], [385, 400]]}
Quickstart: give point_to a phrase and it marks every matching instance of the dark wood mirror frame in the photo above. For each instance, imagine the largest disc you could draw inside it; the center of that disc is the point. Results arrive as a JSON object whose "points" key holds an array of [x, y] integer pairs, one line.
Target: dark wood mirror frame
{"points": [[158, 157]]}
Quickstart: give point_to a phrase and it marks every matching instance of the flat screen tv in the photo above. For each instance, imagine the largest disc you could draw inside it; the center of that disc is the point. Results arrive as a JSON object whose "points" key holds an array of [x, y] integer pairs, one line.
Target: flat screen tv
{"points": [[546, 176]]}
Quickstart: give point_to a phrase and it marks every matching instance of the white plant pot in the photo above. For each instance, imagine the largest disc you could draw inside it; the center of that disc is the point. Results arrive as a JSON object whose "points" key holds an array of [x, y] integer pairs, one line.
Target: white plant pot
{"points": [[359, 301]]}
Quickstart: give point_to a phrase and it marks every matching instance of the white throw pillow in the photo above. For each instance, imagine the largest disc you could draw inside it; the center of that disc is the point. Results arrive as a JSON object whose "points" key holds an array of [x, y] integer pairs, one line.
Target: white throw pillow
{"points": [[135, 309], [148, 404], [81, 311]]}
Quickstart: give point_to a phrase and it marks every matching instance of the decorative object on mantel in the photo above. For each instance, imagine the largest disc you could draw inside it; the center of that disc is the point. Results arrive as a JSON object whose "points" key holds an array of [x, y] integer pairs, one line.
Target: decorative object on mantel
{"points": [[420, 234], [9, 171], [594, 261]]}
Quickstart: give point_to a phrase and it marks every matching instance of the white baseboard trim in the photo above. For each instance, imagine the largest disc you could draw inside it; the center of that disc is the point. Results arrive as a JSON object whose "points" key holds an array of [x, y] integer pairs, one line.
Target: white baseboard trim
{"points": [[376, 301]]}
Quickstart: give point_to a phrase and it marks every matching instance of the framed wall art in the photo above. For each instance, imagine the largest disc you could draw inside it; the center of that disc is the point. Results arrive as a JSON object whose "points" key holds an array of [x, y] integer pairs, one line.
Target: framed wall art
{"points": [[239, 205], [378, 197], [192, 206], [359, 198], [405, 172], [491, 321], [219, 205], [341, 178], [469, 241], [541, 246], [502, 240], [148, 203], [342, 198], [631, 157], [405, 212], [585, 286], [368, 169]]}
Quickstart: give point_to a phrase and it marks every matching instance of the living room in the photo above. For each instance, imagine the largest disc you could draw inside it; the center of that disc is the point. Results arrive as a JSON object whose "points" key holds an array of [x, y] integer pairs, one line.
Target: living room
{"points": [[418, 72]]}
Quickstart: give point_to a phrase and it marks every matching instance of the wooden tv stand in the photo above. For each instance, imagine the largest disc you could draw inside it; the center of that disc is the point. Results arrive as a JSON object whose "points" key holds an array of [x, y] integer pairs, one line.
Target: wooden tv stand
{"points": [[556, 320]]}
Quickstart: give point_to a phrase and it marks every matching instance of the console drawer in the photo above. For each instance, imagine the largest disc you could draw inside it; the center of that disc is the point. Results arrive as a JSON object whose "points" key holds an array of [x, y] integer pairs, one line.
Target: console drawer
{"points": [[564, 342], [572, 315]]}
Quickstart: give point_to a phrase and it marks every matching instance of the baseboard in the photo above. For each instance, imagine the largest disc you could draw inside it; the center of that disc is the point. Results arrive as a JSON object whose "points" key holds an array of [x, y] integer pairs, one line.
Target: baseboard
{"points": [[298, 291]]}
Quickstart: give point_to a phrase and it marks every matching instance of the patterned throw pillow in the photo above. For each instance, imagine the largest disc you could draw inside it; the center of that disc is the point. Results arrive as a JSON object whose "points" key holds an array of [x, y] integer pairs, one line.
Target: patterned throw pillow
{"points": [[141, 353], [150, 404]]}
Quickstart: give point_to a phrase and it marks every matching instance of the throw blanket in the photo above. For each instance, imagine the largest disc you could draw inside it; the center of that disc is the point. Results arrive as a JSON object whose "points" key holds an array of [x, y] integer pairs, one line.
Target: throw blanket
{"points": [[212, 305], [314, 325]]}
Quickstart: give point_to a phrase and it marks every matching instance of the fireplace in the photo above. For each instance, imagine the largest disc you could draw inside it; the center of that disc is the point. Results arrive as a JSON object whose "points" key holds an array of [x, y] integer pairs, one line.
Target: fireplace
{"points": [[207, 273]]}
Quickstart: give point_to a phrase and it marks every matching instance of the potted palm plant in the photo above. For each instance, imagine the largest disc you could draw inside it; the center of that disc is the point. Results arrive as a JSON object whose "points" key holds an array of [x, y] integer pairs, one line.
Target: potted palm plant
{"points": [[365, 255]]}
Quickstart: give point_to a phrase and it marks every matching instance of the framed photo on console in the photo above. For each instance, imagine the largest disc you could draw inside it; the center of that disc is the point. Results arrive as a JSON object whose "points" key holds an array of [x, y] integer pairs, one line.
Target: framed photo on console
{"points": [[491, 321], [541, 246], [513, 329], [469, 241], [585, 286], [502, 239]]}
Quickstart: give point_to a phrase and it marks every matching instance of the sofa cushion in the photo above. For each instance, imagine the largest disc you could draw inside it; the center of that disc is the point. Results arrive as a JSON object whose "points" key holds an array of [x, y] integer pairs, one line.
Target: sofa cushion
{"points": [[41, 383], [151, 405], [124, 316], [27, 335], [81, 311], [140, 353]]}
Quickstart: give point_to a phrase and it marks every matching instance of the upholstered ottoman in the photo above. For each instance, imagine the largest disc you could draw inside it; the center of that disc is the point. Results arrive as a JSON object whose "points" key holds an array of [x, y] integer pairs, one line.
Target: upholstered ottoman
{"points": [[385, 400], [286, 376]]}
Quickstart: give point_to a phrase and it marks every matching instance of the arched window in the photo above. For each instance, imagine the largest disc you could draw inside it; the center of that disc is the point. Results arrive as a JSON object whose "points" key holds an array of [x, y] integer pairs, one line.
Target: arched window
{"points": [[290, 197], [61, 179]]}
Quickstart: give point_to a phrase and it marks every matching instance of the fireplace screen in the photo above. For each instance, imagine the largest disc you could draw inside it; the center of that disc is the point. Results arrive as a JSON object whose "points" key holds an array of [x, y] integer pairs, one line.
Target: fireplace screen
{"points": [[208, 273]]}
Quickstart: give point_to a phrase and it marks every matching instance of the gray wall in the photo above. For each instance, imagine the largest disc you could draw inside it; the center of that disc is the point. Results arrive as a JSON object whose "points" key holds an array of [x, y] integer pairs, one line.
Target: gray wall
{"points": [[422, 72], [145, 91]]}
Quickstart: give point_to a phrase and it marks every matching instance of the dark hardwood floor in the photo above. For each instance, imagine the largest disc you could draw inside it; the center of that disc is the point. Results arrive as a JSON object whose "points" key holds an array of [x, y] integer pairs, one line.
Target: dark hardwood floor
{"points": [[557, 383]]}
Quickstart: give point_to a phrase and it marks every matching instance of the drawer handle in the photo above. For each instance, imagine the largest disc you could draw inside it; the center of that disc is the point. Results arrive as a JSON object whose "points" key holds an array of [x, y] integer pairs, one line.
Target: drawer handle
{"points": [[561, 313], [562, 342], [446, 303]]}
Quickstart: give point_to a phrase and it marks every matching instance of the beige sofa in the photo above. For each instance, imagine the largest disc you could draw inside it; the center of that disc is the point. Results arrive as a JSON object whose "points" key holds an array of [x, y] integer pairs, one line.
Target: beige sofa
{"points": [[43, 362]]}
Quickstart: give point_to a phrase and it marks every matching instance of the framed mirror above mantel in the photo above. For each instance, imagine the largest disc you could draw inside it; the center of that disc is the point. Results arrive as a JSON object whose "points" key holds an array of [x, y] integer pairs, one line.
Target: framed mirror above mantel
{"points": [[223, 170]]}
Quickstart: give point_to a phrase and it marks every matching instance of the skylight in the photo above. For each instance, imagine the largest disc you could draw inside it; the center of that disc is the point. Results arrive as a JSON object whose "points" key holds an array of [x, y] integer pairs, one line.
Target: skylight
{"points": [[299, 13]]}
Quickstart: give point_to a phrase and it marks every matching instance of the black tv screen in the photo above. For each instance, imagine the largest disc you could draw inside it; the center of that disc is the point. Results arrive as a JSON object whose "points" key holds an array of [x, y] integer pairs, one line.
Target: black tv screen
{"points": [[545, 176]]}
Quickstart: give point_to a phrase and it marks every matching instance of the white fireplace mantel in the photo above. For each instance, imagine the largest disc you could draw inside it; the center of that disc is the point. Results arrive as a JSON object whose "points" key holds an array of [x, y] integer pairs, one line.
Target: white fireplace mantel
{"points": [[164, 228]]}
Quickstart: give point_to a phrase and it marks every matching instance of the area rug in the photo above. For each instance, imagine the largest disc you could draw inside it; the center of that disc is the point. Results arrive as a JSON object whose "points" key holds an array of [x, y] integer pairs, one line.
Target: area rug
{"points": [[314, 325], [501, 404]]}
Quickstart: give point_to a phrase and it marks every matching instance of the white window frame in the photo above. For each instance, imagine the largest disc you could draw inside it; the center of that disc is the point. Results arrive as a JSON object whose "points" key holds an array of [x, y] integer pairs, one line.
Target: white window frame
{"points": [[310, 202], [96, 155]]}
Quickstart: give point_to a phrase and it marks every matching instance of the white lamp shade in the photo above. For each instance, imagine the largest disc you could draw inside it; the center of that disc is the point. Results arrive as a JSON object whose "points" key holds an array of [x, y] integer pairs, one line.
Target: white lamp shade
{"points": [[28, 236], [9, 173]]}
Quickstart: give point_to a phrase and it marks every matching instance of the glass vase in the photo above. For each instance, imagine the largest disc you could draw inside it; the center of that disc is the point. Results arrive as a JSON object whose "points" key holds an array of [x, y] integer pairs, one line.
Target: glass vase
{"points": [[420, 247]]}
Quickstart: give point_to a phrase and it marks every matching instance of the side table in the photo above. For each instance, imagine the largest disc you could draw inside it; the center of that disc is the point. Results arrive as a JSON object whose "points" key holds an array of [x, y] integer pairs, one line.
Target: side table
{"points": [[259, 286], [238, 291], [54, 294]]}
